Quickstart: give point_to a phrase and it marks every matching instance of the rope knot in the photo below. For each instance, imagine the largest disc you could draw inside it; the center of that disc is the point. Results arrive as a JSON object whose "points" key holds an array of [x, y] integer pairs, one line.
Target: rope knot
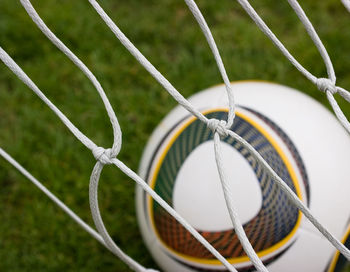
{"points": [[325, 84], [102, 155], [218, 126]]}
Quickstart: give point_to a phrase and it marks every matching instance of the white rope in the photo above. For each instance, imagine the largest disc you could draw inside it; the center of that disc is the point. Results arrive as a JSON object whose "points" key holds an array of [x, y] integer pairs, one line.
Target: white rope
{"points": [[50, 195], [312, 33], [93, 196], [346, 4], [237, 225], [117, 134], [219, 128], [210, 39], [264, 28], [324, 85], [315, 38], [344, 93], [338, 112]]}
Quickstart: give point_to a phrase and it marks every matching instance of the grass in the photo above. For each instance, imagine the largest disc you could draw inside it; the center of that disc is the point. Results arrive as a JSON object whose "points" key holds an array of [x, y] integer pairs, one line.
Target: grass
{"points": [[37, 236]]}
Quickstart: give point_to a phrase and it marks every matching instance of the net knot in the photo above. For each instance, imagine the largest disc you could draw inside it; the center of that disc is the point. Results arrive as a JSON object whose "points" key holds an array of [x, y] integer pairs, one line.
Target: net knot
{"points": [[218, 126], [102, 155], [325, 84]]}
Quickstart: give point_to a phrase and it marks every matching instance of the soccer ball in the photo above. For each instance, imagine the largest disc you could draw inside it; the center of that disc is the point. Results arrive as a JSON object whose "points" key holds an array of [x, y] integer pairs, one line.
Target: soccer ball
{"points": [[297, 136]]}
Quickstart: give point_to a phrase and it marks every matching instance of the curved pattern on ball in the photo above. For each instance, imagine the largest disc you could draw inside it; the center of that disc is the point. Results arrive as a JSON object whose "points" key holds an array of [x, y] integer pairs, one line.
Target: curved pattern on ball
{"points": [[277, 219]]}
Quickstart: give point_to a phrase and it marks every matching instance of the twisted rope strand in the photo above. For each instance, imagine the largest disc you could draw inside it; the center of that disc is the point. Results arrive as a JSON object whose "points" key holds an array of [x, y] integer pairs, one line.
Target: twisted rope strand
{"points": [[50, 195], [96, 215], [330, 87], [237, 225], [267, 31], [315, 38], [338, 112], [117, 134], [318, 43], [220, 126], [210, 39], [344, 93]]}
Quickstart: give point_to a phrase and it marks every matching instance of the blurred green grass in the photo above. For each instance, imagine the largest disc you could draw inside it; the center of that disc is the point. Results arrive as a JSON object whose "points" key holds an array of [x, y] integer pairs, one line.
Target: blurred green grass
{"points": [[37, 236]]}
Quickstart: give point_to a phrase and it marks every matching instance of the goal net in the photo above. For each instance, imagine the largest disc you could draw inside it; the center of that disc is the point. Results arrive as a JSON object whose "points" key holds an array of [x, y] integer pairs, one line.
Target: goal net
{"points": [[220, 128]]}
